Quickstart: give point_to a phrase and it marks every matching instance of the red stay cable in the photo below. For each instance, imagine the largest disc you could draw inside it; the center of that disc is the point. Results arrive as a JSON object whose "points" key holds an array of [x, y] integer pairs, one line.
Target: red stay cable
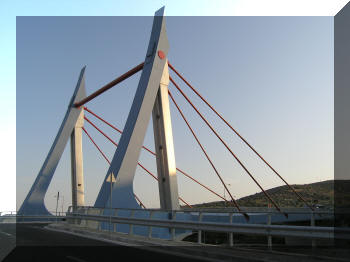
{"points": [[150, 151], [104, 156], [116, 144], [110, 85], [182, 172], [104, 121], [205, 153], [236, 132], [114, 127], [98, 148], [187, 204], [227, 147], [141, 204], [99, 130]]}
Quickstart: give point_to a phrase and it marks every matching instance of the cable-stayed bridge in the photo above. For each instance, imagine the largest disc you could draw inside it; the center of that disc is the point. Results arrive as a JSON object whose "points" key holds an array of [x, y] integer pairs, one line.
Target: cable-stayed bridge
{"points": [[118, 209]]}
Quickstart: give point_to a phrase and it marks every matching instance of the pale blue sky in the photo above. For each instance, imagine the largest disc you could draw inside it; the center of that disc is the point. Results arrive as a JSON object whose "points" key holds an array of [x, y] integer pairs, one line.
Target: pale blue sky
{"points": [[271, 77]]}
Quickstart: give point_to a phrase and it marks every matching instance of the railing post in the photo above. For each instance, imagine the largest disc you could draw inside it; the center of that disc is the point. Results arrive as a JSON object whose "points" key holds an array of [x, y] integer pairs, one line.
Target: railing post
{"points": [[84, 221], [110, 219], [231, 234], [313, 241], [200, 231], [150, 228], [269, 237], [131, 225], [173, 217], [115, 224], [99, 224]]}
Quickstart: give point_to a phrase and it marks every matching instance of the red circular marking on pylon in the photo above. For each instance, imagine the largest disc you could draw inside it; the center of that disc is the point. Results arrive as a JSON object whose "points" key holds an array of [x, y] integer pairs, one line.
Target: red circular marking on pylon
{"points": [[161, 54]]}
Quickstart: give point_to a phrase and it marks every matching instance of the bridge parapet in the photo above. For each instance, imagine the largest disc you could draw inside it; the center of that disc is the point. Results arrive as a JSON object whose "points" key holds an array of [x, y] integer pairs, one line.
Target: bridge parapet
{"points": [[156, 223], [176, 224]]}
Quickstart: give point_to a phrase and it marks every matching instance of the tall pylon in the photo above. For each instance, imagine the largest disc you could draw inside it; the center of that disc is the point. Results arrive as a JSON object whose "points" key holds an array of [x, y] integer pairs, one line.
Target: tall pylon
{"points": [[151, 96], [72, 122]]}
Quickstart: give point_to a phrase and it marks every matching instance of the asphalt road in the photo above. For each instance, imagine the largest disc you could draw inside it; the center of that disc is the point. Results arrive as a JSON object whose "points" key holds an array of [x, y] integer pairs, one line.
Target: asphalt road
{"points": [[35, 243], [7, 239]]}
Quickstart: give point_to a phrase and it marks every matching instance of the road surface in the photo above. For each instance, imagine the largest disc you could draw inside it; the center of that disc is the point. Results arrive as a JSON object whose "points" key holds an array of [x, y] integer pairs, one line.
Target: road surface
{"points": [[35, 243]]}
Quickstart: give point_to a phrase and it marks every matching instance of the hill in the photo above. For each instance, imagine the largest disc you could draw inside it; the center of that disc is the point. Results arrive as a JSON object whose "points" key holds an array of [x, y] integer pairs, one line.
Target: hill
{"points": [[321, 193]]}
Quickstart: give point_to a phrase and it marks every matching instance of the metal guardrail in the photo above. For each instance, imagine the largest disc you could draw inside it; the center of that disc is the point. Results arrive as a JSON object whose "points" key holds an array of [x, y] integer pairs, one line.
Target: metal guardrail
{"points": [[227, 210], [273, 230], [310, 232], [12, 217], [82, 213], [9, 213], [253, 210], [4, 213], [296, 214]]}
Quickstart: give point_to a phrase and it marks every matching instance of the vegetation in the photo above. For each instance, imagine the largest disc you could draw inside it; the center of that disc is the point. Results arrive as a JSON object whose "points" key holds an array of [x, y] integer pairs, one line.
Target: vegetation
{"points": [[320, 193]]}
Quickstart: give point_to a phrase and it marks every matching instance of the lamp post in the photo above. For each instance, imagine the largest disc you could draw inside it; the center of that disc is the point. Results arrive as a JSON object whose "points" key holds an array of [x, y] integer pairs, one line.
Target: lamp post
{"points": [[58, 197], [62, 203]]}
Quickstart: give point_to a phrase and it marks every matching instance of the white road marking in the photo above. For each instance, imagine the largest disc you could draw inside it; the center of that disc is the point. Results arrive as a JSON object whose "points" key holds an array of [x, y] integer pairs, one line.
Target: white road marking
{"points": [[7, 234]]}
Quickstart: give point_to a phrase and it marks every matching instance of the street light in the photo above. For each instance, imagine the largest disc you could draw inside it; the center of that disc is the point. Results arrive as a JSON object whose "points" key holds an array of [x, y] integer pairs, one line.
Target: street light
{"points": [[58, 197], [62, 203]]}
